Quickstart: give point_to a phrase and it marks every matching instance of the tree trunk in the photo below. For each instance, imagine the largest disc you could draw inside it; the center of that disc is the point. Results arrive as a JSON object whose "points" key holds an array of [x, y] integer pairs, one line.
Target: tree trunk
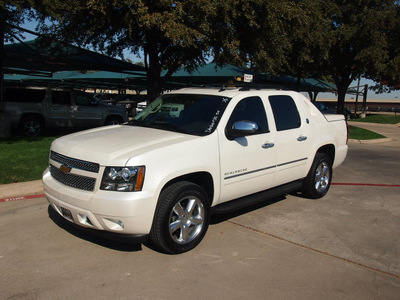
{"points": [[342, 86], [154, 80]]}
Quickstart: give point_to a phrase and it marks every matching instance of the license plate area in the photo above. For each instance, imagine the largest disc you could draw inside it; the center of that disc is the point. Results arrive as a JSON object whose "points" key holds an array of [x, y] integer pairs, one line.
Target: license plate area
{"points": [[67, 214]]}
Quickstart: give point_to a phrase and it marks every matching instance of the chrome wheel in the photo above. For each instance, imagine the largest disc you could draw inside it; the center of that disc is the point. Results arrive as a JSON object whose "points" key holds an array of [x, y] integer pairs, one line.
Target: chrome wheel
{"points": [[186, 220], [318, 180], [322, 177], [181, 219]]}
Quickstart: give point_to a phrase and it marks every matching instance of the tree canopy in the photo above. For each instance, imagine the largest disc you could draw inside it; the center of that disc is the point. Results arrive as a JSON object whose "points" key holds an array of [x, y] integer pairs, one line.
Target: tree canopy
{"points": [[171, 34], [338, 40]]}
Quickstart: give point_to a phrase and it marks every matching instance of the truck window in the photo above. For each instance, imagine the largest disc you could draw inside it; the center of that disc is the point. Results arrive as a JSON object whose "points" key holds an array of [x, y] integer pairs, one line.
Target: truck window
{"points": [[83, 99], [285, 112], [24, 95], [250, 109], [61, 97]]}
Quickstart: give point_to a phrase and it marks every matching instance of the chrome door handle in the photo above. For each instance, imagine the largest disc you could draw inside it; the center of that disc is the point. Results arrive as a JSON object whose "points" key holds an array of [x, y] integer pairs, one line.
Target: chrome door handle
{"points": [[301, 138], [268, 145]]}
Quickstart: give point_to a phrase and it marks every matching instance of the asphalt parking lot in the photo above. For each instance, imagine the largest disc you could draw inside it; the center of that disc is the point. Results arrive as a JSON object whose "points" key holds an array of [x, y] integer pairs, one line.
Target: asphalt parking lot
{"points": [[343, 246]]}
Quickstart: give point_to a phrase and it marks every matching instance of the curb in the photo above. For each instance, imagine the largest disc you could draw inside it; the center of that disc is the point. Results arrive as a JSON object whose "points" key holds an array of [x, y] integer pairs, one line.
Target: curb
{"points": [[20, 189], [374, 141], [21, 198]]}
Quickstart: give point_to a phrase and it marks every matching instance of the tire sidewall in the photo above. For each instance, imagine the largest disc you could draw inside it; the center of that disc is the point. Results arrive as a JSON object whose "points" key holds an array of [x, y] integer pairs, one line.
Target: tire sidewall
{"points": [[309, 183], [25, 121], [168, 199]]}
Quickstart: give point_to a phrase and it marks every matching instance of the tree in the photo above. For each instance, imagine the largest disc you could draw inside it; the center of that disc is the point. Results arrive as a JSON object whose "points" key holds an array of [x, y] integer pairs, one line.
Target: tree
{"points": [[12, 13], [171, 34], [389, 78], [332, 39], [359, 33]]}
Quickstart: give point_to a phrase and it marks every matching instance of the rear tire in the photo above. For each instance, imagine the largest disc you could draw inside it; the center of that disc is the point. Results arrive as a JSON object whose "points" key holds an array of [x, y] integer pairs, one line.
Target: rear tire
{"points": [[181, 219], [319, 178]]}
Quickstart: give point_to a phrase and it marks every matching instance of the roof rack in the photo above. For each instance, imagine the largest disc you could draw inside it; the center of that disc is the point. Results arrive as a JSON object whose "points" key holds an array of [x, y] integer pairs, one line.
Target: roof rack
{"points": [[259, 86]]}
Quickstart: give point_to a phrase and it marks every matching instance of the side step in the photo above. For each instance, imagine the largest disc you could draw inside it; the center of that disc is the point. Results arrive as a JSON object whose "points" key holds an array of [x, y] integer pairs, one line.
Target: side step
{"points": [[243, 202]]}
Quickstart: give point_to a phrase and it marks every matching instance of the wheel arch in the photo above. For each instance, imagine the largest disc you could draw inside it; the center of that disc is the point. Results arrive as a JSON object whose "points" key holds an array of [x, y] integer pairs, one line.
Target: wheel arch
{"points": [[329, 150], [28, 115], [114, 117], [203, 179]]}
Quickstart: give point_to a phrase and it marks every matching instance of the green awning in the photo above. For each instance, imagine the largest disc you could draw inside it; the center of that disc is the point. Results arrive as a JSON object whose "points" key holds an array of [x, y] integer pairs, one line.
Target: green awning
{"points": [[51, 56]]}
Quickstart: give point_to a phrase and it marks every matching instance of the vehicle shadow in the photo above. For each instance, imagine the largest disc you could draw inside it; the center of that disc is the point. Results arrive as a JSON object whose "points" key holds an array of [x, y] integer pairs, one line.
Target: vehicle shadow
{"points": [[104, 239], [222, 217]]}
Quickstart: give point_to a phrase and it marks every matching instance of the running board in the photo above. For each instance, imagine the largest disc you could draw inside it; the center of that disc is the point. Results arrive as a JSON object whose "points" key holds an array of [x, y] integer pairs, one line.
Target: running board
{"points": [[243, 202]]}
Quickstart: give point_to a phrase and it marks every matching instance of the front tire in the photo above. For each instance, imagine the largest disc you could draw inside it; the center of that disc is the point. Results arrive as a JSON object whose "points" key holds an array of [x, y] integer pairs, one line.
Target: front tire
{"points": [[31, 126], [319, 178], [181, 219]]}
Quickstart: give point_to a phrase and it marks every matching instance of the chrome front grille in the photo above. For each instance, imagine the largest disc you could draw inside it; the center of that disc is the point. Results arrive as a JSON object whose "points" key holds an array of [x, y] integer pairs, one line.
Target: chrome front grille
{"points": [[73, 180], [75, 163]]}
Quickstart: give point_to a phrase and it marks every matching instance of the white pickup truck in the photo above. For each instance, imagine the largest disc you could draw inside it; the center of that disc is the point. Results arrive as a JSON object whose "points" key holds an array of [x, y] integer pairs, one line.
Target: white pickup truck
{"points": [[191, 153]]}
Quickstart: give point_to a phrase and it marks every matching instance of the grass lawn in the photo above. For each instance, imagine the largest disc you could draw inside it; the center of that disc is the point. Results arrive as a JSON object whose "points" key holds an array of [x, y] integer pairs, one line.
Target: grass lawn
{"points": [[358, 133], [382, 119], [23, 159]]}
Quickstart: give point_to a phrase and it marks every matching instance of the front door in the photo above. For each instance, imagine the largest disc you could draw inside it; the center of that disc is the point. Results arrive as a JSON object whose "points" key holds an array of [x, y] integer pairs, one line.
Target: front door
{"points": [[87, 112], [60, 114], [248, 163]]}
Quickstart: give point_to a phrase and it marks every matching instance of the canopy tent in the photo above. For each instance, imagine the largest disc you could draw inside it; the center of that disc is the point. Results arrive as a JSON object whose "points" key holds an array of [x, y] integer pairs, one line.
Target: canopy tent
{"points": [[41, 55], [73, 79], [210, 74]]}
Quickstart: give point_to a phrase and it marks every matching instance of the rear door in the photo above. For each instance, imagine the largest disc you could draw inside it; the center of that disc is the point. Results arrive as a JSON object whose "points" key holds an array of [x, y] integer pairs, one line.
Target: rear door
{"points": [[247, 163], [292, 139]]}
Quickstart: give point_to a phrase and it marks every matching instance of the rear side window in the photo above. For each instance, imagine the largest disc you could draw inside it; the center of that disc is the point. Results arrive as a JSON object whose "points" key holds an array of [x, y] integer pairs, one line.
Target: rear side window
{"points": [[24, 95], [285, 112], [83, 99]]}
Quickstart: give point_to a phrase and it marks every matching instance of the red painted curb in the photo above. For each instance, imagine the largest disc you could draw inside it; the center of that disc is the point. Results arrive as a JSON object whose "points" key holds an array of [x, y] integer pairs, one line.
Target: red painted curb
{"points": [[21, 198]]}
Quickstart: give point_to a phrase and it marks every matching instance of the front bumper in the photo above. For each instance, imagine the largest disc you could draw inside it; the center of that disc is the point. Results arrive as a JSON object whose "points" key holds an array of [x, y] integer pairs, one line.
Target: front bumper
{"points": [[119, 212]]}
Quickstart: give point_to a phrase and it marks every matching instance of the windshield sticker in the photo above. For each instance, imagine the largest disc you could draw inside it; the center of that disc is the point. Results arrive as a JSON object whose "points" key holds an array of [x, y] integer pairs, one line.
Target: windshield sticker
{"points": [[225, 100], [213, 122]]}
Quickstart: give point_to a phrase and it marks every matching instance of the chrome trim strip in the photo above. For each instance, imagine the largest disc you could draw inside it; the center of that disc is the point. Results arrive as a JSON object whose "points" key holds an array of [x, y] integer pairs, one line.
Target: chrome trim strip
{"points": [[263, 169], [246, 173], [291, 162]]}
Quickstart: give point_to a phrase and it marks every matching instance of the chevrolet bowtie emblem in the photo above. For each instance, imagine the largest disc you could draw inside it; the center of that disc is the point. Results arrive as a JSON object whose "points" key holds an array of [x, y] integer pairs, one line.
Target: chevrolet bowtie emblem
{"points": [[65, 169]]}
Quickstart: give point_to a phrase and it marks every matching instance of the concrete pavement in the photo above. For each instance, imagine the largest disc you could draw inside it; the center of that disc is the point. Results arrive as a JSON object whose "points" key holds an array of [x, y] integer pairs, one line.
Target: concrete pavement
{"points": [[343, 246]]}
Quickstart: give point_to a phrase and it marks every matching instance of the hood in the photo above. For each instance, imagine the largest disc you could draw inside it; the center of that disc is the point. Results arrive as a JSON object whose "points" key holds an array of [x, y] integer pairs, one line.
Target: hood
{"points": [[115, 144]]}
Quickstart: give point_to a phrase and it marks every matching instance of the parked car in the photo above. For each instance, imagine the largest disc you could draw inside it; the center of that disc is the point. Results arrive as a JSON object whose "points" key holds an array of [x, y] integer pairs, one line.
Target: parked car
{"points": [[329, 109], [191, 153], [33, 109]]}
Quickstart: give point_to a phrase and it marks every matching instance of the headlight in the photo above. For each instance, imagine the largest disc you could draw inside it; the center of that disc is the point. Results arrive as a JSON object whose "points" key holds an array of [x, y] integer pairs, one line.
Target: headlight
{"points": [[123, 179]]}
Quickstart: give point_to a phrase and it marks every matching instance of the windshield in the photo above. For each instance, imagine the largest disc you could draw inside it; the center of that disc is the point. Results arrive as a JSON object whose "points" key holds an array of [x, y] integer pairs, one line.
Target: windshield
{"points": [[187, 113]]}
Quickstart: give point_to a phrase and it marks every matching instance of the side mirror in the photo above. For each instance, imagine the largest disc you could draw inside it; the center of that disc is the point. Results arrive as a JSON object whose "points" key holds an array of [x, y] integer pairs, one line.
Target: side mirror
{"points": [[242, 128]]}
